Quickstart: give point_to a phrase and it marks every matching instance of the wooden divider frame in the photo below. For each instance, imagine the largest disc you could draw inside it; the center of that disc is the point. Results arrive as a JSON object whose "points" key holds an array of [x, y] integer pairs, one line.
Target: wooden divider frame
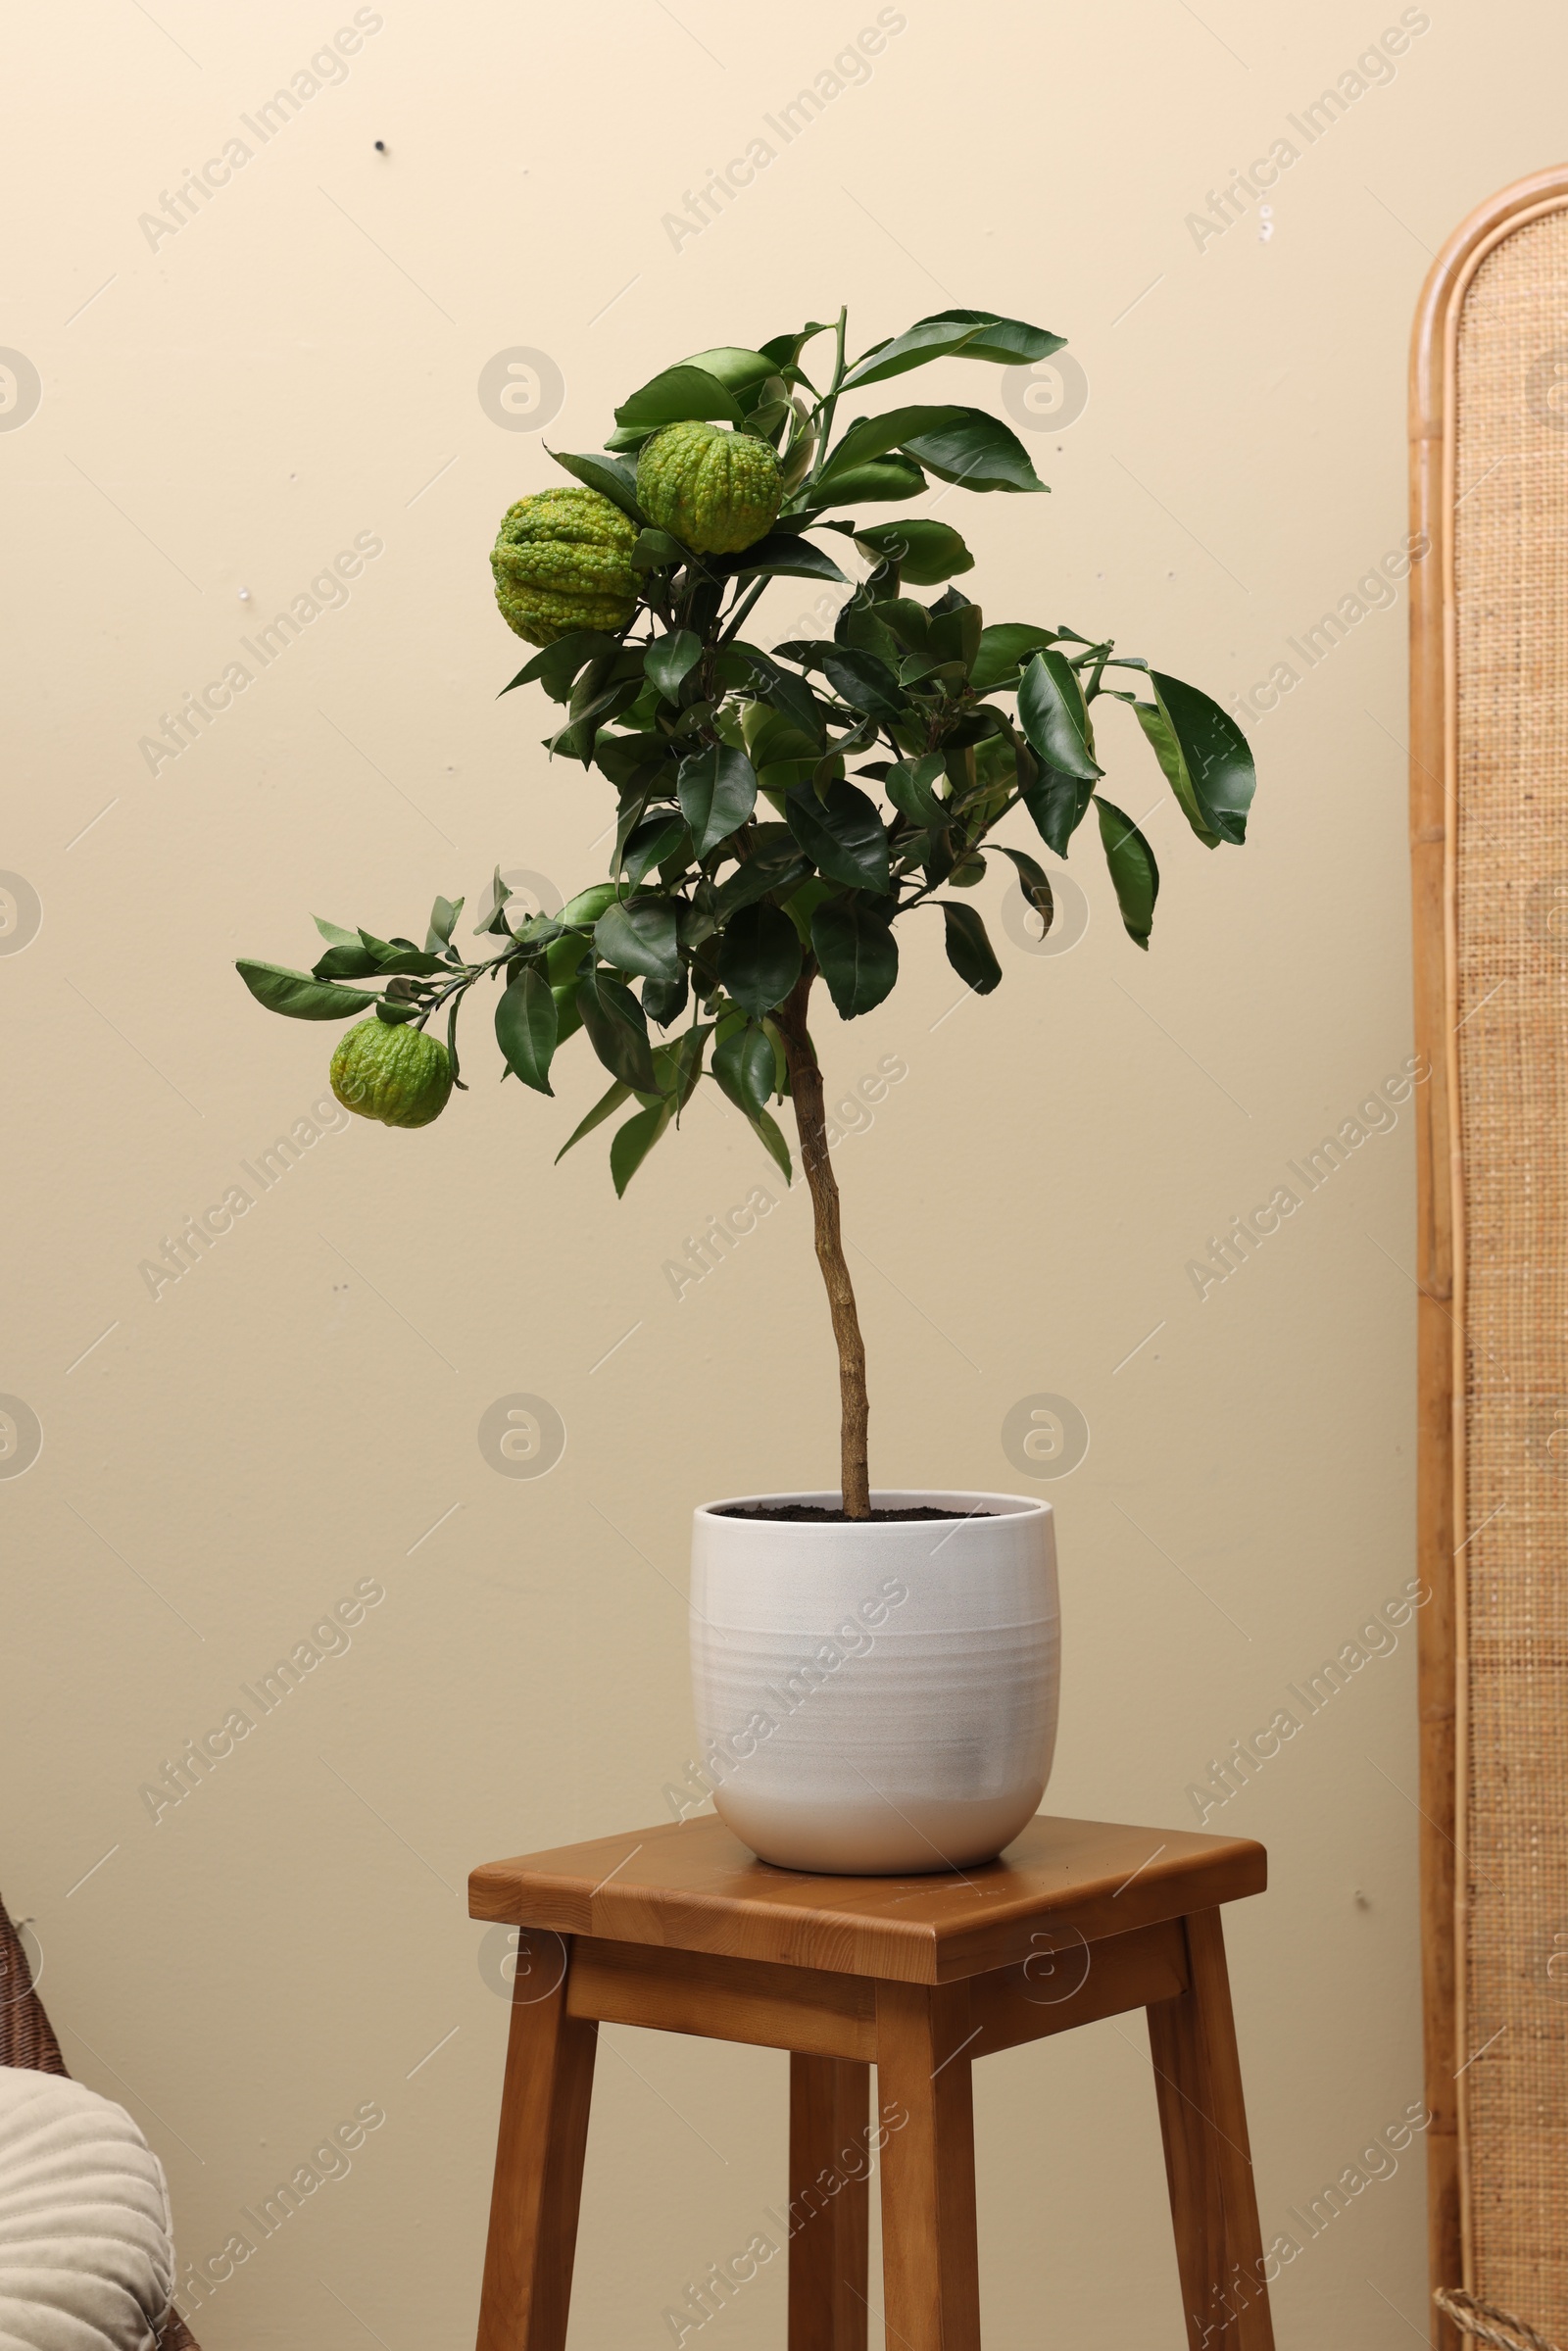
{"points": [[1442, 1522]]}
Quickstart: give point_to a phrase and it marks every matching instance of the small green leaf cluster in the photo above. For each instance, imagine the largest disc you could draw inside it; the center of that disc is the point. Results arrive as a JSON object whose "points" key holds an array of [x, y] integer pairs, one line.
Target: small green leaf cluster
{"points": [[780, 811]]}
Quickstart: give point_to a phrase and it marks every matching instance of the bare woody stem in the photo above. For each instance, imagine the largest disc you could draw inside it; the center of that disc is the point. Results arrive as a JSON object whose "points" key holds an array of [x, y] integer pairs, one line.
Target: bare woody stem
{"points": [[805, 1087]]}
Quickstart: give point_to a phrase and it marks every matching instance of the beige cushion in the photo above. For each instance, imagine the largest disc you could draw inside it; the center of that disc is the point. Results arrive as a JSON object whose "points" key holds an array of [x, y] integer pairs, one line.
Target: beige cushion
{"points": [[86, 2252]]}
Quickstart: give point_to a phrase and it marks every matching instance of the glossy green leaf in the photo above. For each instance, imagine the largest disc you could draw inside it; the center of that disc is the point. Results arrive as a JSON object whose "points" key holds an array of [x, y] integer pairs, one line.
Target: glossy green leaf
{"points": [[1003, 650], [782, 555], [969, 950], [1052, 714], [765, 1129], [606, 474], [1033, 881], [604, 689], [937, 863], [794, 700], [492, 920], [355, 962], [671, 658], [592, 704], [733, 366], [628, 816], [843, 835], [528, 1026], [617, 1030], [605, 1107], [679, 1065], [781, 778], [665, 1001], [912, 784], [383, 958], [743, 1064], [759, 958], [298, 996], [631, 1144], [443, 922], [775, 862], [1059, 805], [874, 481], [871, 437], [860, 627], [656, 551], [956, 627], [998, 760], [1204, 757], [535, 930], [1133, 870], [678, 395], [865, 682], [857, 953], [803, 902], [769, 412], [558, 666], [1167, 750], [957, 334], [732, 668], [805, 652], [860, 737], [333, 932], [718, 791], [785, 349], [977, 452], [638, 761], [650, 843], [638, 935], [573, 742], [908, 619], [924, 551]]}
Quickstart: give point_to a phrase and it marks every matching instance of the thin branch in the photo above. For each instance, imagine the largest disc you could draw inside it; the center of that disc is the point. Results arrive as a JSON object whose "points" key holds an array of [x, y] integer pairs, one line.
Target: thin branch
{"points": [[806, 1091], [830, 404]]}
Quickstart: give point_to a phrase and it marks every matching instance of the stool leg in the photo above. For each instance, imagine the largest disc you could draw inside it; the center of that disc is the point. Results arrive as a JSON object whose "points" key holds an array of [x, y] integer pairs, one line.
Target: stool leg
{"points": [[538, 2177], [930, 2259], [830, 2165], [1198, 2078]]}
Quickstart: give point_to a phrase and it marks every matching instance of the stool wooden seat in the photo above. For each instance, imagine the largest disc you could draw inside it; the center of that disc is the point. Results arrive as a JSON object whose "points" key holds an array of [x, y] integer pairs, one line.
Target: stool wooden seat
{"points": [[678, 1928]]}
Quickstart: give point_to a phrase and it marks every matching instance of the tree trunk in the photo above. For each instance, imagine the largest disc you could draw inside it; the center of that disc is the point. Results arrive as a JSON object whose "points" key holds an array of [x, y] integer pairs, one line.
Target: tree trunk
{"points": [[805, 1087]]}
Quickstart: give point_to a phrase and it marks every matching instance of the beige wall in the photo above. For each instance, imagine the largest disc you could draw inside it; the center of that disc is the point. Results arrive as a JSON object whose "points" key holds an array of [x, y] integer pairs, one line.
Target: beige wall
{"points": [[235, 403]]}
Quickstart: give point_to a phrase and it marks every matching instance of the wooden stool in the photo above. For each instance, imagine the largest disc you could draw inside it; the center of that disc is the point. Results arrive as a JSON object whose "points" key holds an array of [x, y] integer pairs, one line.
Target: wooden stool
{"points": [[679, 1928]]}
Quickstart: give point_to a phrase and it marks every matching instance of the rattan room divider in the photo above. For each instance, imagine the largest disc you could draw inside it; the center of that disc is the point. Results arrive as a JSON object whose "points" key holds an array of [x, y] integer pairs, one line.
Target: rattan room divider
{"points": [[1488, 807]]}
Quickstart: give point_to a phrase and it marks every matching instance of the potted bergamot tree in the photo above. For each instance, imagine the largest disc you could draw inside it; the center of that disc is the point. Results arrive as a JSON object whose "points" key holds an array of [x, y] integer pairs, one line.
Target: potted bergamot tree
{"points": [[875, 1674]]}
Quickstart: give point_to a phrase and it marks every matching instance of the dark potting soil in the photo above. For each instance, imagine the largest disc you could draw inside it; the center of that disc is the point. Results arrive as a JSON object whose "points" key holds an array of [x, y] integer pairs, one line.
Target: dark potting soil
{"points": [[813, 1514]]}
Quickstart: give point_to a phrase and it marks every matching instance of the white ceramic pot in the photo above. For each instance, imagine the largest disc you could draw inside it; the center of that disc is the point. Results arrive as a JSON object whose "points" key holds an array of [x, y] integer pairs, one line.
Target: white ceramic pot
{"points": [[877, 1699]]}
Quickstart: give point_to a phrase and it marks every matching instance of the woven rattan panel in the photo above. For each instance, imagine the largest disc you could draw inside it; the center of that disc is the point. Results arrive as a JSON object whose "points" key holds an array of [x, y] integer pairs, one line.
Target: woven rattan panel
{"points": [[1510, 544]]}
